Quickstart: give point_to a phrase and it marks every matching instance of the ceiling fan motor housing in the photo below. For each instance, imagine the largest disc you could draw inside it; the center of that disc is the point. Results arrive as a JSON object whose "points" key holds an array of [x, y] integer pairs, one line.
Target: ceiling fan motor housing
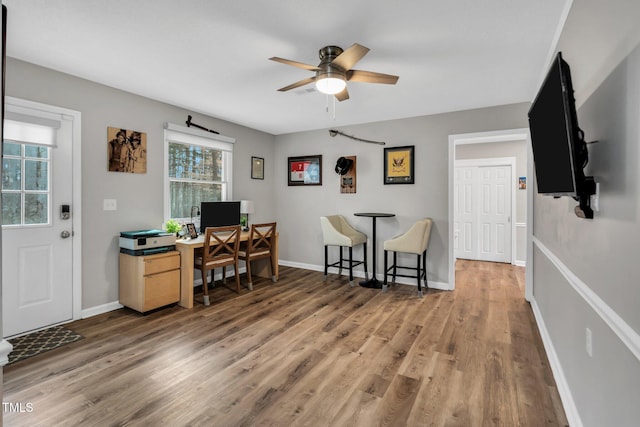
{"points": [[329, 52], [326, 68]]}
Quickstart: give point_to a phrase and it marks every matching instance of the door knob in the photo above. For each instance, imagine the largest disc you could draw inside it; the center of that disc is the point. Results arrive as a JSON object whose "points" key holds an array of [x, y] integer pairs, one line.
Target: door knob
{"points": [[65, 234]]}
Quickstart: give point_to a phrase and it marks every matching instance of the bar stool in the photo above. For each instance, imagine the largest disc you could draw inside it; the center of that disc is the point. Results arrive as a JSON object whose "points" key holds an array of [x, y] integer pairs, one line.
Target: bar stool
{"points": [[336, 231], [414, 241]]}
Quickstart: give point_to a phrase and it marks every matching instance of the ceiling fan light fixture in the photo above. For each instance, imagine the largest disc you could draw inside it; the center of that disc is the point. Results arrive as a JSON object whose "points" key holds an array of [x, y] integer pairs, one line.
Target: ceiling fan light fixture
{"points": [[330, 84], [335, 69]]}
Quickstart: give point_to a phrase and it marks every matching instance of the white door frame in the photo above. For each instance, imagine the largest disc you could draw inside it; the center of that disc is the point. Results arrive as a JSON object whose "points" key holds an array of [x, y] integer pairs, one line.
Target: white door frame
{"points": [[498, 161], [487, 137], [76, 117]]}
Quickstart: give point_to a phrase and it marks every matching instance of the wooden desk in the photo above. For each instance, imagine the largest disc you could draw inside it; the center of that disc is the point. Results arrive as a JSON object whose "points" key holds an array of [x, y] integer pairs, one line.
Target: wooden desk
{"points": [[186, 249]]}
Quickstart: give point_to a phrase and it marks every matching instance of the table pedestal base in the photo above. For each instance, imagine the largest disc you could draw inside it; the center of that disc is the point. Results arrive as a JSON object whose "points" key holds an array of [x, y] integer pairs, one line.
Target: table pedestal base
{"points": [[371, 283]]}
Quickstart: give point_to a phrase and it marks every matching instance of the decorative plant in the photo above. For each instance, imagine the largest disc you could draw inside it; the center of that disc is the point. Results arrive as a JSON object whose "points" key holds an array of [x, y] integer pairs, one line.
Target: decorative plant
{"points": [[172, 226]]}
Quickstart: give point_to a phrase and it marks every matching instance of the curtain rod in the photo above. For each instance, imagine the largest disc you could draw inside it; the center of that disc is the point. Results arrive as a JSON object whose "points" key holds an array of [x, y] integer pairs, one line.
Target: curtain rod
{"points": [[189, 124]]}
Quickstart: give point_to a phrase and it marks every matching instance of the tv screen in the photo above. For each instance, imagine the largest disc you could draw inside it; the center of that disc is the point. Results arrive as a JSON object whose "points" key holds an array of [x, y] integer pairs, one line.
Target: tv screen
{"points": [[219, 214], [558, 147]]}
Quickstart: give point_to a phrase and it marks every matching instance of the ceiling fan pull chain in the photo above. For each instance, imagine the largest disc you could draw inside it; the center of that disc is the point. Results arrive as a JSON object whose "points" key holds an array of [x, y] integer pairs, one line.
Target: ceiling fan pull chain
{"points": [[334, 107]]}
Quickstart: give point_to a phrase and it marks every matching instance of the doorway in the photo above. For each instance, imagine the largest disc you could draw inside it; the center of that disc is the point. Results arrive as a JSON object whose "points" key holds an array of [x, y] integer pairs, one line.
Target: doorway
{"points": [[521, 225], [41, 262]]}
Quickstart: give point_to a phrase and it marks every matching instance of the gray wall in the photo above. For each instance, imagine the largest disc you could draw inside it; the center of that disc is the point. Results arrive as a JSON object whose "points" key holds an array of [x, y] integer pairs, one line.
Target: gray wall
{"points": [[585, 272], [517, 149], [139, 196], [299, 208]]}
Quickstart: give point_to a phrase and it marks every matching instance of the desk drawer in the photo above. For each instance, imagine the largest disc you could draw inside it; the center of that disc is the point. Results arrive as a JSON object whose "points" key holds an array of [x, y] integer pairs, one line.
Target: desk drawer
{"points": [[161, 262]]}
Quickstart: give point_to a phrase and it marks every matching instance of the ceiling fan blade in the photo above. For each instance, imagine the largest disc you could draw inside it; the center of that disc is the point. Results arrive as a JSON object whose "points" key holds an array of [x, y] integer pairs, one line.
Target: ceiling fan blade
{"points": [[343, 95], [349, 57], [371, 77], [298, 84], [295, 63]]}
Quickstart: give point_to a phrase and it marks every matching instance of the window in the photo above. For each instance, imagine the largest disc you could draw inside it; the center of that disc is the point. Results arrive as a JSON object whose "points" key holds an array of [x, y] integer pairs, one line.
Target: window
{"points": [[25, 184], [198, 169], [26, 171]]}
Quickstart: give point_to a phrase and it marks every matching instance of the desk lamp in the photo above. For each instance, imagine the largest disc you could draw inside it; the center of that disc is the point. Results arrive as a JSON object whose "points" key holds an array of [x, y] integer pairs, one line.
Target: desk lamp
{"points": [[246, 208]]}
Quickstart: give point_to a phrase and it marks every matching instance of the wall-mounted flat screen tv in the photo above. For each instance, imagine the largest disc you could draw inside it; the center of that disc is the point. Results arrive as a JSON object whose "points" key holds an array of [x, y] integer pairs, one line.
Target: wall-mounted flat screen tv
{"points": [[559, 150]]}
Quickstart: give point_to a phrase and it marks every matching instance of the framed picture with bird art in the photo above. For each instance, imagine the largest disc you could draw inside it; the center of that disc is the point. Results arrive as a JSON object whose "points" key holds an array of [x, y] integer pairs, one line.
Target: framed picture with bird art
{"points": [[399, 165]]}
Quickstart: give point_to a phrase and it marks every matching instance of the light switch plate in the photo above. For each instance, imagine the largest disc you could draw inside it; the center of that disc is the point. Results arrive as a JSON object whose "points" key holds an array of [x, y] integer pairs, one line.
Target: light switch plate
{"points": [[109, 204]]}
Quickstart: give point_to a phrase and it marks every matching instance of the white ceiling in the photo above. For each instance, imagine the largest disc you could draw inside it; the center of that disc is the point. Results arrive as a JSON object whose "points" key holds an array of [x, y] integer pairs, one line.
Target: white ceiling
{"points": [[211, 56]]}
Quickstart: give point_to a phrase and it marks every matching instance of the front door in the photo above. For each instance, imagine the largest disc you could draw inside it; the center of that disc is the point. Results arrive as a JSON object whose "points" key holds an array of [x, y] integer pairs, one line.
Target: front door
{"points": [[37, 224]]}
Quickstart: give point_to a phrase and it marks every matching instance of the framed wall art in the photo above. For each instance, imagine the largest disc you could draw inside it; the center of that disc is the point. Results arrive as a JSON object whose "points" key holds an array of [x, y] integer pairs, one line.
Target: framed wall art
{"points": [[257, 168], [346, 169], [399, 165], [127, 150], [305, 170], [522, 183]]}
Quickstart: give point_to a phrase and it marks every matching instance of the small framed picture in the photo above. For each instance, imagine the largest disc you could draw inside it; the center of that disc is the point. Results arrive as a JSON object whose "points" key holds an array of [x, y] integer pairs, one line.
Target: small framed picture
{"points": [[191, 228], [399, 165], [306, 170], [522, 183], [257, 168]]}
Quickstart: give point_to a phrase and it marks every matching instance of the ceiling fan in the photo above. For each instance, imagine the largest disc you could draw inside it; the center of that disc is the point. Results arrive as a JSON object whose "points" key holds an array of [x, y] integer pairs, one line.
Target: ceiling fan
{"points": [[334, 71]]}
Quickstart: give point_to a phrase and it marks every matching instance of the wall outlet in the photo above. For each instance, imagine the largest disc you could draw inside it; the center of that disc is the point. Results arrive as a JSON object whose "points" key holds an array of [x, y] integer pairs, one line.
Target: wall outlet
{"points": [[589, 341], [109, 204]]}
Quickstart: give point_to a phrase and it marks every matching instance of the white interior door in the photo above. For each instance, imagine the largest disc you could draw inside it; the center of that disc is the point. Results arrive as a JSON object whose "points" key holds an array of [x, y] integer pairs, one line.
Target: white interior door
{"points": [[465, 227], [483, 211], [494, 214], [37, 240]]}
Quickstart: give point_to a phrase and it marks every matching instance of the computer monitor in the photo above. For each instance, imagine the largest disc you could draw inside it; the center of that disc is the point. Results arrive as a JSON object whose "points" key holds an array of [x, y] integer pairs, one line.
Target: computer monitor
{"points": [[219, 214]]}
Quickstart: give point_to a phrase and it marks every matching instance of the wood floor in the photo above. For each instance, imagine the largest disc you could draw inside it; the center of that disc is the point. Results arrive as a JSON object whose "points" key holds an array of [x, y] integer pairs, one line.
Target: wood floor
{"points": [[304, 352]]}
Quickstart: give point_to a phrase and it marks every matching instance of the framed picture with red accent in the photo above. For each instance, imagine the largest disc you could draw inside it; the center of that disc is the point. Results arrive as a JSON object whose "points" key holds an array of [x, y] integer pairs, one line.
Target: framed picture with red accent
{"points": [[305, 170]]}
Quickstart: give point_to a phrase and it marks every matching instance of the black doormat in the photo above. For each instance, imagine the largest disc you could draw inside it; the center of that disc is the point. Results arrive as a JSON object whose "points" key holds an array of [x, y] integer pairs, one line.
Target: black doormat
{"points": [[38, 342]]}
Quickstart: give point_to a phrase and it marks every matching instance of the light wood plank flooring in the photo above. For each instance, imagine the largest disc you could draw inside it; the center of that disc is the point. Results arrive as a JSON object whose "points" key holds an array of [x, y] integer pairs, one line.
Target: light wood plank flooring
{"points": [[304, 352]]}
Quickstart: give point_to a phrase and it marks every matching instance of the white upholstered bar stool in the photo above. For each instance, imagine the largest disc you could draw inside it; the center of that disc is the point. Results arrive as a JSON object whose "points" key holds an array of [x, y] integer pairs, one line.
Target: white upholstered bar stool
{"points": [[336, 231], [414, 241]]}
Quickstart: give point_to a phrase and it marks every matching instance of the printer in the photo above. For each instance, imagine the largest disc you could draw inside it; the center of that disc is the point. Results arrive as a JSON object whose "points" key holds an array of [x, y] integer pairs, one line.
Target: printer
{"points": [[146, 242]]}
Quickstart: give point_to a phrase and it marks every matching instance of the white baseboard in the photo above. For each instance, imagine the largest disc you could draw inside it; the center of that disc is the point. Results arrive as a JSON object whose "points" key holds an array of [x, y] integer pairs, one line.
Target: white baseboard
{"points": [[570, 409], [100, 309], [115, 305], [520, 263], [309, 266], [443, 286], [360, 273]]}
